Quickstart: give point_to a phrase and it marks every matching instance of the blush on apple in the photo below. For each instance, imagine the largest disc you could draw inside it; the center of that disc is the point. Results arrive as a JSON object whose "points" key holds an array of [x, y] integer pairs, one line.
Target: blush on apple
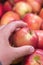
{"points": [[24, 37], [40, 38], [33, 20], [22, 8], [41, 26], [39, 1], [29, 1], [8, 17], [35, 6], [1, 10], [41, 13], [7, 6], [35, 59]]}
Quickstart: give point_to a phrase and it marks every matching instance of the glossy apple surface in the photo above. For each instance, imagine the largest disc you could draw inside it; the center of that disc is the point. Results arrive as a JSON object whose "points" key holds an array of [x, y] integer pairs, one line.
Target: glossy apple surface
{"points": [[40, 38], [24, 37], [33, 20], [35, 59], [8, 17]]}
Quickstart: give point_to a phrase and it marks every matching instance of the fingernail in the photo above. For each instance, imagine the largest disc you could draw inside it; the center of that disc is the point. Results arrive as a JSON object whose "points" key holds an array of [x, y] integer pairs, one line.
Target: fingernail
{"points": [[31, 49]]}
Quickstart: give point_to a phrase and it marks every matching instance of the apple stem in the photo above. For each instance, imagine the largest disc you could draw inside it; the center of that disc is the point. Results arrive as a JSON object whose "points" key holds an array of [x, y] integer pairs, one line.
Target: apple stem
{"points": [[38, 62]]}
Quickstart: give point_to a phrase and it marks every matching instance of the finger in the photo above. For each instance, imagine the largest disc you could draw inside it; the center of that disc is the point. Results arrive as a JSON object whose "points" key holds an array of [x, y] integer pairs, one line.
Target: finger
{"points": [[8, 29], [22, 51], [1, 27]]}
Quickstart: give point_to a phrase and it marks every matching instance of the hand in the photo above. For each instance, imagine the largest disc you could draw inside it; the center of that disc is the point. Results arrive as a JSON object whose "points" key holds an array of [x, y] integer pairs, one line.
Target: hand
{"points": [[8, 53]]}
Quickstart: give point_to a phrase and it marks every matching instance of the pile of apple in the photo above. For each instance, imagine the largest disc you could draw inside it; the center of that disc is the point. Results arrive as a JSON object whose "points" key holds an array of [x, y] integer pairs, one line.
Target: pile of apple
{"points": [[30, 12]]}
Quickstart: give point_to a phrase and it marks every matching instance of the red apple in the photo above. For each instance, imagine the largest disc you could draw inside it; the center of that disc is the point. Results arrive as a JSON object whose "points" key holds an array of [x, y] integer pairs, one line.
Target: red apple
{"points": [[39, 1], [41, 13], [35, 59], [29, 1], [1, 10], [35, 6], [40, 38], [33, 20], [7, 6], [8, 17], [22, 8], [41, 26], [24, 37]]}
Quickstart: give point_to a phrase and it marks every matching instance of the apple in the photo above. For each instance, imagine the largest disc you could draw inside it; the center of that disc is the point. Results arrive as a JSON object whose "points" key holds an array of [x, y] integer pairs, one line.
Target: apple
{"points": [[35, 59], [29, 1], [22, 8], [7, 6], [23, 37], [41, 13], [33, 20], [35, 6], [8, 17], [39, 1], [41, 26], [40, 38], [14, 1], [1, 10]]}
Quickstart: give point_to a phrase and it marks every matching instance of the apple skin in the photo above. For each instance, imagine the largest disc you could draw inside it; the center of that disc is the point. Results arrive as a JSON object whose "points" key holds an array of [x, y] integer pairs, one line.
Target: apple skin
{"points": [[40, 38], [35, 6], [34, 21], [22, 8], [41, 13], [12, 2], [41, 26], [39, 1], [8, 17], [7, 6], [1, 10], [35, 59], [24, 37]]}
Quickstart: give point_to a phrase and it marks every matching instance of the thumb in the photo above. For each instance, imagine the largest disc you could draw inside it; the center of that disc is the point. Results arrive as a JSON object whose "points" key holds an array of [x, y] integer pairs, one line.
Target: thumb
{"points": [[21, 51]]}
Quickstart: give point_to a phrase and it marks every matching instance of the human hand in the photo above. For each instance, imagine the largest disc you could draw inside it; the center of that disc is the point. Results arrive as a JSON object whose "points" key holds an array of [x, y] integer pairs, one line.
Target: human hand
{"points": [[8, 53]]}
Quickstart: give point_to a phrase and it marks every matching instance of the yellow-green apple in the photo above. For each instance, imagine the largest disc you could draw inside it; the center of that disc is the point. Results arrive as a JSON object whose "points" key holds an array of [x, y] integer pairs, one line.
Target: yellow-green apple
{"points": [[35, 59], [40, 38], [33, 20], [7, 6], [24, 37], [1, 10], [22, 8], [8, 17], [41, 13]]}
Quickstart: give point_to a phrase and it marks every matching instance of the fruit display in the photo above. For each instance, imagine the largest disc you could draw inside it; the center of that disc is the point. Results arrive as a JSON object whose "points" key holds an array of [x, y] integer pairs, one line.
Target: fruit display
{"points": [[25, 36], [30, 12], [35, 59]]}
